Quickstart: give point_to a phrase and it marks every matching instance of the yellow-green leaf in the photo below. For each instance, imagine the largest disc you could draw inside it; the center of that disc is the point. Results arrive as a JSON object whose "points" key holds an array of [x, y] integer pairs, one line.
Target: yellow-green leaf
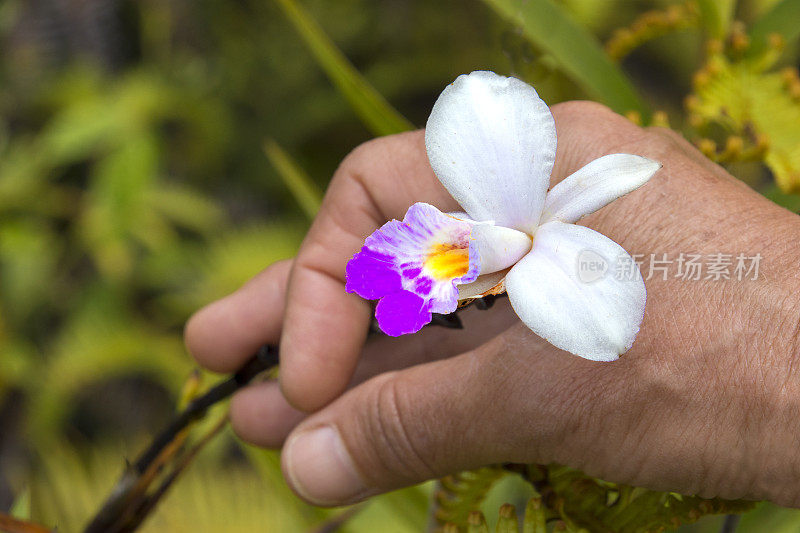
{"points": [[507, 521], [21, 508], [578, 53], [295, 178], [744, 100], [372, 108], [717, 16], [783, 18]]}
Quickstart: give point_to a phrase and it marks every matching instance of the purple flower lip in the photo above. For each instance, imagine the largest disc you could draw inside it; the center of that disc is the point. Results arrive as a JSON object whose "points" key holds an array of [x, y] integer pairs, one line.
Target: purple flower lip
{"points": [[412, 267]]}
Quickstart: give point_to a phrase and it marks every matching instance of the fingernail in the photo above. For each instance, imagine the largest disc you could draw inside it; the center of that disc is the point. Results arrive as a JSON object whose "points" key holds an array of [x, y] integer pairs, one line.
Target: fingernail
{"points": [[320, 469]]}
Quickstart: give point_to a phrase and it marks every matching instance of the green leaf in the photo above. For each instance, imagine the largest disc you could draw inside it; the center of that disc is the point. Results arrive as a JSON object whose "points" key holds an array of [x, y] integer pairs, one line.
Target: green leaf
{"points": [[186, 207], [401, 511], [460, 494], [578, 53], [214, 495], [507, 522], [535, 520], [100, 341], [717, 16], [267, 465], [476, 523], [193, 276], [769, 517], [745, 101], [790, 201], [21, 508], [782, 19], [81, 130], [296, 180], [29, 261], [18, 366], [372, 108], [584, 504], [117, 214]]}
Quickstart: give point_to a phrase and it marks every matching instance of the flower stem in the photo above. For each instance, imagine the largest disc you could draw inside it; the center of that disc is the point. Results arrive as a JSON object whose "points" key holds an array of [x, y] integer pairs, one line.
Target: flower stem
{"points": [[123, 509]]}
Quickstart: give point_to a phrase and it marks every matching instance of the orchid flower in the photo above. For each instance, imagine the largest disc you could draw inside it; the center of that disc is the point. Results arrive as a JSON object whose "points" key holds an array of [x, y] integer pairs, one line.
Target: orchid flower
{"points": [[492, 143]]}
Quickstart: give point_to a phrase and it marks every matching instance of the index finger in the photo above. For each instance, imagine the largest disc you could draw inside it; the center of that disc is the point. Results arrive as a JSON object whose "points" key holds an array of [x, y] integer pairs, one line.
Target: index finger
{"points": [[325, 327]]}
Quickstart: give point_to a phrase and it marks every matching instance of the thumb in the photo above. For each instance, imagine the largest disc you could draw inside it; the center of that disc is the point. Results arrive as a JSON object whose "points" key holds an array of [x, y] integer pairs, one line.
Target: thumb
{"points": [[427, 421]]}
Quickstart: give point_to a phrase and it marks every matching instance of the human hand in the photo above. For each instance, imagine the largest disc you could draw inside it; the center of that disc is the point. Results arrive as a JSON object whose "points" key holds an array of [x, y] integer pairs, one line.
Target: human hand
{"points": [[704, 403]]}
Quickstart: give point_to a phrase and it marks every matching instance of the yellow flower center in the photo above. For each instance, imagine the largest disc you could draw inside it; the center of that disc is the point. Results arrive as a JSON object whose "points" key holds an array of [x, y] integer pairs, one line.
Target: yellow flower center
{"points": [[446, 261]]}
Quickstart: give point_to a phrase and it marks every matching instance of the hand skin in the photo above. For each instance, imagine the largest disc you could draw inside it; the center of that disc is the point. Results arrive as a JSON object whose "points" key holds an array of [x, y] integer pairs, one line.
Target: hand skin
{"points": [[706, 401]]}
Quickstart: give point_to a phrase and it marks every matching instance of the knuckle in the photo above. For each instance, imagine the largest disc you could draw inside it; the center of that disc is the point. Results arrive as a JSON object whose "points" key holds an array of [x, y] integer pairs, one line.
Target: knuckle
{"points": [[353, 174], [359, 188], [364, 156], [612, 132], [382, 152], [665, 135], [589, 130], [397, 442], [661, 143], [642, 141], [361, 154]]}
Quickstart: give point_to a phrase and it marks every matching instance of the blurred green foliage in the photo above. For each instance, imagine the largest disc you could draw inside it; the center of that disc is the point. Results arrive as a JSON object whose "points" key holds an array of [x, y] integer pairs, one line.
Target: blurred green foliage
{"points": [[156, 154]]}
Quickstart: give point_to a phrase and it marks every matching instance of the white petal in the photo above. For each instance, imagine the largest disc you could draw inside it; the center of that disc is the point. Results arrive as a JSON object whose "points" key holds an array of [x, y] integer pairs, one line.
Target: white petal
{"points": [[597, 184], [492, 141], [499, 247], [484, 285], [571, 290], [460, 215]]}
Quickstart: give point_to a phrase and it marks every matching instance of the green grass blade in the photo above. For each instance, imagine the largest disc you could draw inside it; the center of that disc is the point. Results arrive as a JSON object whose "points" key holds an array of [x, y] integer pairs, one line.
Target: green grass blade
{"points": [[579, 54], [717, 16], [783, 18], [372, 108], [21, 508], [297, 181]]}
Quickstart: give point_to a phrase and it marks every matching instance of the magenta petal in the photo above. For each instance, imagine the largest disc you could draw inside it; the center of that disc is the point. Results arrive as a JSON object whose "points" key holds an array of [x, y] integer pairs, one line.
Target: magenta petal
{"points": [[371, 275], [402, 312]]}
